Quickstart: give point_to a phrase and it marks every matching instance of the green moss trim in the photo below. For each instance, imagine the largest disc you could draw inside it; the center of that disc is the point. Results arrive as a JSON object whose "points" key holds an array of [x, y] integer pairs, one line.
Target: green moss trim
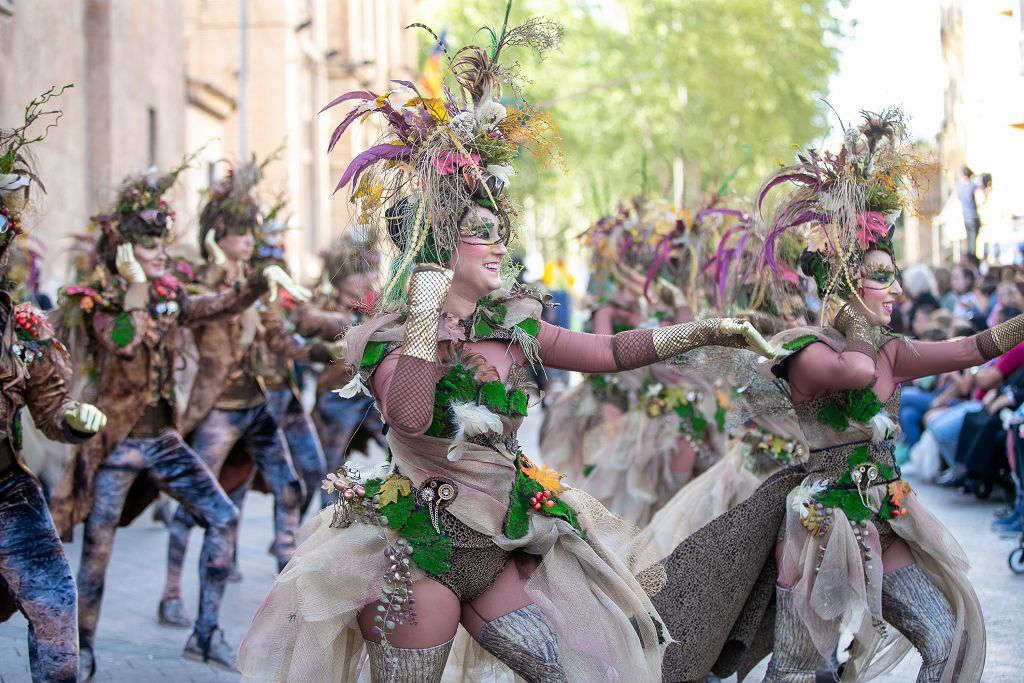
{"points": [[123, 332], [800, 343], [373, 353], [530, 326], [517, 520], [494, 396], [518, 403], [481, 328]]}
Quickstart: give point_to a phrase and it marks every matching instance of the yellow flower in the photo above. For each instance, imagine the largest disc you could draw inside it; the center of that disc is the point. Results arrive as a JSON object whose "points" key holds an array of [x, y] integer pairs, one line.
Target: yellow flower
{"points": [[548, 478]]}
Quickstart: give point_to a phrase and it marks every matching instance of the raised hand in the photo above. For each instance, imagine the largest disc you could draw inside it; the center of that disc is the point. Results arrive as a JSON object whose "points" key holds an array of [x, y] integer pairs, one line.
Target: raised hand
{"points": [[86, 418], [127, 266], [216, 254], [428, 289], [276, 277]]}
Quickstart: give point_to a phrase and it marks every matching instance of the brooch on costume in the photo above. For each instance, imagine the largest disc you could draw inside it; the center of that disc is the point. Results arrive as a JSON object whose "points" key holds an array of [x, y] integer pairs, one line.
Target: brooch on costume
{"points": [[165, 291], [436, 494]]}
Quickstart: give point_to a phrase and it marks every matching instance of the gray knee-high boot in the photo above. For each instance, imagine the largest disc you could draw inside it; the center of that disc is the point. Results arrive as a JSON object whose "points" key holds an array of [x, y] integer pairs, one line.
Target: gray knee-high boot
{"points": [[919, 610], [401, 664], [525, 642], [794, 658]]}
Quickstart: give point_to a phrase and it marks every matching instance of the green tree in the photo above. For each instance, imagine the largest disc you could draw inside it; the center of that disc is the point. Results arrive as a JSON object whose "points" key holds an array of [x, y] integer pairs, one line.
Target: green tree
{"points": [[639, 86]]}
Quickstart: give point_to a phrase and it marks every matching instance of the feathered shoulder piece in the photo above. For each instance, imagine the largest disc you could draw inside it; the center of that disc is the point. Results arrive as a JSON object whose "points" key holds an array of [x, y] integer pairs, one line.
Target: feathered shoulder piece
{"points": [[439, 155], [845, 202]]}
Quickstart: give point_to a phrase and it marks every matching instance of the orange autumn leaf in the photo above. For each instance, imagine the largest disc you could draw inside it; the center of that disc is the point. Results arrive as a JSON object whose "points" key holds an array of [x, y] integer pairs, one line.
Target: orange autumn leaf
{"points": [[548, 478]]}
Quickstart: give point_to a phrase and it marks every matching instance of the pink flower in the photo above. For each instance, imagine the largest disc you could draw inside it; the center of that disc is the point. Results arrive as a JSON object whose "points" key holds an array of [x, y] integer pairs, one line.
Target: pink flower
{"points": [[871, 227], [449, 162]]}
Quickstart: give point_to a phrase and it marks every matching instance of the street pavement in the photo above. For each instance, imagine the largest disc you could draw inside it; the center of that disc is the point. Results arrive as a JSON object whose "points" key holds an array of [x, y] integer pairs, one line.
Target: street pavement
{"points": [[133, 648]]}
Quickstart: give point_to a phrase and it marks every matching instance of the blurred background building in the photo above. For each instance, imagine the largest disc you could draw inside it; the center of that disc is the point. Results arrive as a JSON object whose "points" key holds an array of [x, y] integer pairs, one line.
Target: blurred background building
{"points": [[155, 80], [983, 125]]}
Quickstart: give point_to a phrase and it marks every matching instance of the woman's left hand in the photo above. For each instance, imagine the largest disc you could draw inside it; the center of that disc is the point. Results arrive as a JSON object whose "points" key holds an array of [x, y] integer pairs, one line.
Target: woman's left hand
{"points": [[755, 342]]}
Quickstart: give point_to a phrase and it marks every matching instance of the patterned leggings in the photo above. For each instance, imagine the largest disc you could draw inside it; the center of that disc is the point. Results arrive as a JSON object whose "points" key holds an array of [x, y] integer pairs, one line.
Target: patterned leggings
{"points": [[303, 442], [178, 471], [34, 569], [254, 430]]}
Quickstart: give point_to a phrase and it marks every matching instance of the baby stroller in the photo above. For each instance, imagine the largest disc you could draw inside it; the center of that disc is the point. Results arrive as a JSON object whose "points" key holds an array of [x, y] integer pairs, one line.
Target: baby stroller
{"points": [[1015, 452]]}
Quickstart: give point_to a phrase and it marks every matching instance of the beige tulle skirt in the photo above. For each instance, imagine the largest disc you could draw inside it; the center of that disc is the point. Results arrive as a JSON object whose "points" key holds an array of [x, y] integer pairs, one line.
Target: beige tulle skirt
{"points": [[596, 600], [836, 589], [713, 493]]}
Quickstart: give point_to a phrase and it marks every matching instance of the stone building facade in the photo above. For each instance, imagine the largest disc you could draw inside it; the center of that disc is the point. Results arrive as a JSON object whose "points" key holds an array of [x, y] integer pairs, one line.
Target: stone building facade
{"points": [[154, 80]]}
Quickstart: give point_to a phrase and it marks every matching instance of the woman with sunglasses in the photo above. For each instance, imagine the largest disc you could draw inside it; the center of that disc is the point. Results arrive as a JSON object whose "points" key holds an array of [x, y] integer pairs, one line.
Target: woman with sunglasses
{"points": [[841, 542], [462, 528]]}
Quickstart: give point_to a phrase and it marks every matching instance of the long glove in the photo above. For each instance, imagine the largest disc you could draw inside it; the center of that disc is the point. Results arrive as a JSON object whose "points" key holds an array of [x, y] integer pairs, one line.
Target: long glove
{"points": [[637, 348], [858, 331]]}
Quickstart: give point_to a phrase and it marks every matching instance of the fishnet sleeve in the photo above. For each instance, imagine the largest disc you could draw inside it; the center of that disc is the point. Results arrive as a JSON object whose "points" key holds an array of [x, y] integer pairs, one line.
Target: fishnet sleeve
{"points": [[997, 340], [409, 402]]}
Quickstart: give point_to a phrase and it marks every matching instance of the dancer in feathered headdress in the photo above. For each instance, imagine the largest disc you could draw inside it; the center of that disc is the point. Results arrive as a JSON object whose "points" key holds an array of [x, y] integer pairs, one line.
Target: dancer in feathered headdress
{"points": [[463, 527], [35, 578], [848, 500]]}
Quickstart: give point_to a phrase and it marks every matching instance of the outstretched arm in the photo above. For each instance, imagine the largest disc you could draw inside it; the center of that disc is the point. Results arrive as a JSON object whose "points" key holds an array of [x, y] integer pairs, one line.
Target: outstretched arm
{"points": [[52, 410], [920, 359], [567, 350], [199, 309]]}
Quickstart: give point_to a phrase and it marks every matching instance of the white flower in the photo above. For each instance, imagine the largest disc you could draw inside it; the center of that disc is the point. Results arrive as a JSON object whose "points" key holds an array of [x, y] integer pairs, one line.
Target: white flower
{"points": [[501, 172], [9, 182], [489, 113], [397, 97], [354, 387], [654, 390], [804, 495]]}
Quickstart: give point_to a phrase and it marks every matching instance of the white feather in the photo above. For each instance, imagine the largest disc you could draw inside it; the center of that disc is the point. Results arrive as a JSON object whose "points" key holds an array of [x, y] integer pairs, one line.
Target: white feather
{"points": [[882, 427], [354, 387], [805, 495], [472, 420]]}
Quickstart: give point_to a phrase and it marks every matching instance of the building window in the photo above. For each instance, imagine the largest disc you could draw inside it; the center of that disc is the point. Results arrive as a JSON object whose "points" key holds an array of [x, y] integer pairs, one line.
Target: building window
{"points": [[151, 136]]}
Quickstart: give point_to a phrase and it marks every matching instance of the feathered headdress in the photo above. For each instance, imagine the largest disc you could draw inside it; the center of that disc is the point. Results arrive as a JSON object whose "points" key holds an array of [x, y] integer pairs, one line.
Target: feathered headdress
{"points": [[16, 174], [232, 204], [847, 202], [139, 211], [438, 156]]}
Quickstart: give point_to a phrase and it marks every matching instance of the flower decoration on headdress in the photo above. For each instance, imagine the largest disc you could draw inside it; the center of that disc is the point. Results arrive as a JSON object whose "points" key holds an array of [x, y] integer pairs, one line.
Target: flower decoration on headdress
{"points": [[270, 236], [140, 212], [232, 205], [16, 174], [438, 156], [847, 201]]}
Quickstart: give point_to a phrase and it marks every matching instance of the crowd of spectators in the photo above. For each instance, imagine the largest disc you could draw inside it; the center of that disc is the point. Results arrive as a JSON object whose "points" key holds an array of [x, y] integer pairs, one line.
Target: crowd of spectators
{"points": [[960, 428]]}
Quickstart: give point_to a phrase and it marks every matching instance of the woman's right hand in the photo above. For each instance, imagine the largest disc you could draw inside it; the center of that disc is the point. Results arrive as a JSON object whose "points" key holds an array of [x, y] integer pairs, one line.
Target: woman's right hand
{"points": [[428, 289]]}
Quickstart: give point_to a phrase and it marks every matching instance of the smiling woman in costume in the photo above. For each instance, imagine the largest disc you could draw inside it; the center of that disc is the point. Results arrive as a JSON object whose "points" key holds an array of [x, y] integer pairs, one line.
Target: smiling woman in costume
{"points": [[856, 548], [463, 528]]}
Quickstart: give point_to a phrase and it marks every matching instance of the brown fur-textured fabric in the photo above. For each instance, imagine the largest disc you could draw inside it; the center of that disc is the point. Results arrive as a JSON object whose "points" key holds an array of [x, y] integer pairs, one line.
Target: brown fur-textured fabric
{"points": [[41, 388], [123, 374], [220, 346]]}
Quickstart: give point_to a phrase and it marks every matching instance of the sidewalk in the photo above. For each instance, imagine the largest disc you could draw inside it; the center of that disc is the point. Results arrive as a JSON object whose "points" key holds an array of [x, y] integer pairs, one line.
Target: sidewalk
{"points": [[133, 648]]}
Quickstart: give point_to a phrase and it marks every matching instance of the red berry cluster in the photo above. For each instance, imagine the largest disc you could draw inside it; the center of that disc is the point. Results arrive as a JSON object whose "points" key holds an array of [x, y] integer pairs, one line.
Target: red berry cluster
{"points": [[542, 499], [166, 288], [13, 219], [30, 324]]}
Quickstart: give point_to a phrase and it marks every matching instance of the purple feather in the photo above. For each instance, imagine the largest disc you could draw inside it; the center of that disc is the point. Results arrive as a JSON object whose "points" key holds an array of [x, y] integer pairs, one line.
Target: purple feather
{"points": [[370, 157], [353, 95], [411, 86], [342, 127]]}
